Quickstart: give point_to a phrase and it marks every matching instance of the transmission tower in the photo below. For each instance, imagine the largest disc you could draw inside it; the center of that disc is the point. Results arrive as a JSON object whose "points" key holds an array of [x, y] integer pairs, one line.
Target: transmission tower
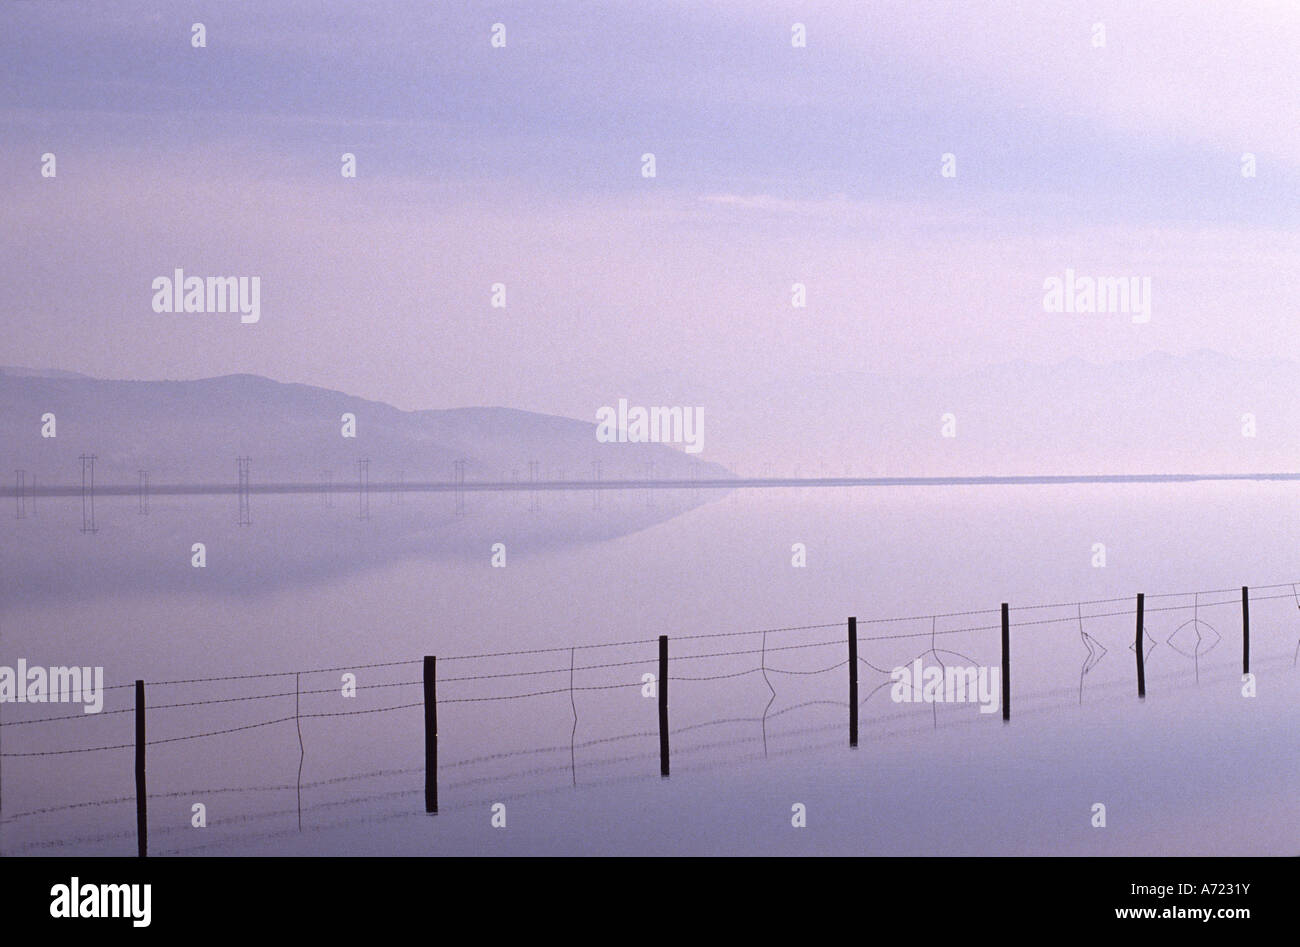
{"points": [[88, 494], [458, 475], [363, 488], [245, 510]]}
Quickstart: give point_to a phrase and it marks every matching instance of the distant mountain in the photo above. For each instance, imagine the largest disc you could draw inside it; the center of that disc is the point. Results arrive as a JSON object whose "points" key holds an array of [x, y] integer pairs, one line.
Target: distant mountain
{"points": [[1203, 412], [192, 431]]}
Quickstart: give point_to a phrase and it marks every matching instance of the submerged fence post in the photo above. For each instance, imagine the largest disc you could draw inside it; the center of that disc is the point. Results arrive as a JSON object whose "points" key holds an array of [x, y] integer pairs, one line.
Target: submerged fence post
{"points": [[663, 705], [1006, 662], [1140, 647], [1245, 630], [430, 734], [853, 682], [141, 795]]}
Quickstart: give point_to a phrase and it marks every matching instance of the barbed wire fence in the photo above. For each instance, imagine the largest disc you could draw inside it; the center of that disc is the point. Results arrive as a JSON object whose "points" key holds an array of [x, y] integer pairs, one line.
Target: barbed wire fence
{"points": [[475, 689]]}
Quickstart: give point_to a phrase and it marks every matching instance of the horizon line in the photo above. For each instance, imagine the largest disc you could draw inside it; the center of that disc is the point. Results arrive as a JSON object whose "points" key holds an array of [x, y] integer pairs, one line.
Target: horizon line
{"points": [[482, 486]]}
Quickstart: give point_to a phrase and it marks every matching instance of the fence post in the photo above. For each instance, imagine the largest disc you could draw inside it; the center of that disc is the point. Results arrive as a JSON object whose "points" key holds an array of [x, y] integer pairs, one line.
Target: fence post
{"points": [[853, 682], [1245, 630], [1006, 662], [1140, 648], [663, 705], [430, 734], [141, 795]]}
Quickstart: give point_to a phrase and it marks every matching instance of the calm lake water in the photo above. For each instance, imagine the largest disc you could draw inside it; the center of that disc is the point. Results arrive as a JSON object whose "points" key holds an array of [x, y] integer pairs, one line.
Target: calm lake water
{"points": [[758, 721]]}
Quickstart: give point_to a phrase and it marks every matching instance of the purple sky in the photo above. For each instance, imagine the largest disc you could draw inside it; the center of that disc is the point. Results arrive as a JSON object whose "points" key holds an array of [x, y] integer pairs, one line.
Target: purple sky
{"points": [[521, 165]]}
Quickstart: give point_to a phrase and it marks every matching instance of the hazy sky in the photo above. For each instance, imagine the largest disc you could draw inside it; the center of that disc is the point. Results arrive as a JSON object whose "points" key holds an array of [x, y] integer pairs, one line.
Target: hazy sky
{"points": [[522, 165]]}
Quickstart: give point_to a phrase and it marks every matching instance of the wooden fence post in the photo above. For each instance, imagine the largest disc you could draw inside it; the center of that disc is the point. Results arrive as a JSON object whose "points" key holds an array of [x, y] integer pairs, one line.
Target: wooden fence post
{"points": [[141, 794], [430, 734], [1140, 647], [1245, 630], [663, 705], [853, 682], [1006, 662]]}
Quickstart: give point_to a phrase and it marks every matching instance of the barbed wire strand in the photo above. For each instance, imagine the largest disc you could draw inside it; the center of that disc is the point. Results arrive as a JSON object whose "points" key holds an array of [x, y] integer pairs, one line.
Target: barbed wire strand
{"points": [[615, 644]]}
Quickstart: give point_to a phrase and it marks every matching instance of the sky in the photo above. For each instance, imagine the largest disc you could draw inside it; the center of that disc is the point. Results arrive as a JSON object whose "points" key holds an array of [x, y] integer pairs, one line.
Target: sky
{"points": [[522, 165]]}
